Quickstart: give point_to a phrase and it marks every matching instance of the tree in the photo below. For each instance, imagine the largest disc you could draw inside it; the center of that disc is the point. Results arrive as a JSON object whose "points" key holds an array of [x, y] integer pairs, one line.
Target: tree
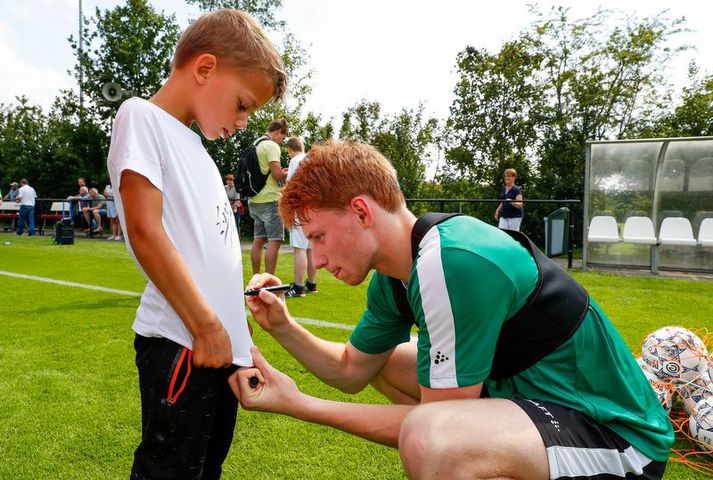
{"points": [[693, 117], [131, 45], [405, 139], [263, 10]]}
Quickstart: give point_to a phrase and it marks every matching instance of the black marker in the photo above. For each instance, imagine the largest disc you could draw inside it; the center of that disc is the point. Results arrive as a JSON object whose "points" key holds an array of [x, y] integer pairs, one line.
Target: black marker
{"points": [[253, 382], [274, 289]]}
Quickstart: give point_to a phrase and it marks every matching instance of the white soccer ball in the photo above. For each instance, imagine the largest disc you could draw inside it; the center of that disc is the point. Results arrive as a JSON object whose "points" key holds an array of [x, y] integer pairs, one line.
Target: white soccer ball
{"points": [[701, 425], [664, 391], [674, 354], [697, 391]]}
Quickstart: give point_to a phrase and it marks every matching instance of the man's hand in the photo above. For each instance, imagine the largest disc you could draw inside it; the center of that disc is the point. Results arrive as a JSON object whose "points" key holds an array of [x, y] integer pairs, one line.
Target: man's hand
{"points": [[275, 392], [268, 310], [212, 347]]}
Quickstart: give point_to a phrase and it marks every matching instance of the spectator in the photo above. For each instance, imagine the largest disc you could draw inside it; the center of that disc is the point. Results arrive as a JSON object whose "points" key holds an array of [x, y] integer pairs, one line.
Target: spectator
{"points": [[234, 199], [263, 206], [26, 197], [11, 195], [298, 241], [80, 201], [509, 212], [93, 209], [111, 214], [76, 208]]}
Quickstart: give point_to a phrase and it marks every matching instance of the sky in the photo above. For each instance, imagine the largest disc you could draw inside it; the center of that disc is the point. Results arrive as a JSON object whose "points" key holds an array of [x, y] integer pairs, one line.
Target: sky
{"points": [[397, 52]]}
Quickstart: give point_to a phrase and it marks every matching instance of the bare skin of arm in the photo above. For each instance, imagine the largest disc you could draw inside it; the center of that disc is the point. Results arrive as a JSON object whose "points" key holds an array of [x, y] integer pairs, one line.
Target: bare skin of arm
{"points": [[143, 205], [278, 393], [277, 172], [337, 364]]}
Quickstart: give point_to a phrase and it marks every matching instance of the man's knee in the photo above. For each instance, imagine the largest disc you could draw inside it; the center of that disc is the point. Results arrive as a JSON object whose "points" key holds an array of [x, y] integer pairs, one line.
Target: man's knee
{"points": [[419, 442]]}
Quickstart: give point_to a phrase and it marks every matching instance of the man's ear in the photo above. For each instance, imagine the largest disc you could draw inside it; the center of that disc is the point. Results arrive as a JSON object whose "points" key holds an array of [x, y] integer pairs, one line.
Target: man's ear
{"points": [[203, 67], [361, 207]]}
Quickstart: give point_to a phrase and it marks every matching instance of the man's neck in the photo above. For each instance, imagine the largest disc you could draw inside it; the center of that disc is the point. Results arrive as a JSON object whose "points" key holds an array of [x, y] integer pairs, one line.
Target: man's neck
{"points": [[394, 255]]}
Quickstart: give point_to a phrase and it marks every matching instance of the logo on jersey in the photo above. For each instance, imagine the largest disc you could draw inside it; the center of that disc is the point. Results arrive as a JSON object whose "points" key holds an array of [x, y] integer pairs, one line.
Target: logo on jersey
{"points": [[440, 358]]}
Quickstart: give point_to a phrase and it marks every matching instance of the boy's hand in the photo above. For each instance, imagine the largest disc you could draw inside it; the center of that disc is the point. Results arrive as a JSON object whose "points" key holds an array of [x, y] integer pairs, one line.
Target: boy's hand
{"points": [[212, 347], [276, 392], [268, 310]]}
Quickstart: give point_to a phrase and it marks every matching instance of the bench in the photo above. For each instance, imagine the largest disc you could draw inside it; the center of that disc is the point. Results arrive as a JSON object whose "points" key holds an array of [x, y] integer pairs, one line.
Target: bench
{"points": [[58, 211], [9, 210]]}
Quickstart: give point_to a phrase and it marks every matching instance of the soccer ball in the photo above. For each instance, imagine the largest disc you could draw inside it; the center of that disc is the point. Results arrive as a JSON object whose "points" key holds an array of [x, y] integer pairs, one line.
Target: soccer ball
{"points": [[675, 354], [701, 425], [662, 389], [696, 391]]}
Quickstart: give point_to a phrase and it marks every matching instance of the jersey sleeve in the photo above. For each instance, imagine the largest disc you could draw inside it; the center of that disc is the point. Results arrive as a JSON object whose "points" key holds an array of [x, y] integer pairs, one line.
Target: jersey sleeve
{"points": [[460, 301], [134, 144], [381, 327]]}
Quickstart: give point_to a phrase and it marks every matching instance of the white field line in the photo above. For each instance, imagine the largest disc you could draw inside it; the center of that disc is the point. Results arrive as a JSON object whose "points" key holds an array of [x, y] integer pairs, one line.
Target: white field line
{"points": [[308, 321]]}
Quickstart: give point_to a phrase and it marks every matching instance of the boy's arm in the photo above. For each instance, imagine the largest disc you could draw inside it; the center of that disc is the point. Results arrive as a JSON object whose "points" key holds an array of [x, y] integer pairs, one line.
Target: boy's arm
{"points": [[143, 204], [277, 172]]}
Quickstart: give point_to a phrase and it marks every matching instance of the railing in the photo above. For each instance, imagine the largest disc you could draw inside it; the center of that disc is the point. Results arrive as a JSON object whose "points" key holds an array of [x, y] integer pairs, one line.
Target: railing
{"points": [[443, 201]]}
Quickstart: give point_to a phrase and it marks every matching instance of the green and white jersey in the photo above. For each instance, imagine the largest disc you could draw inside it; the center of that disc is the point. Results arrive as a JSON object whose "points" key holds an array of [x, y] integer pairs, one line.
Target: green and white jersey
{"points": [[467, 280]]}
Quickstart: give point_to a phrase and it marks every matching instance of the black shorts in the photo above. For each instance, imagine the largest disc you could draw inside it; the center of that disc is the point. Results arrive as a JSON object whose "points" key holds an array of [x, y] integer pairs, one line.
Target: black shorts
{"points": [[579, 448], [187, 414]]}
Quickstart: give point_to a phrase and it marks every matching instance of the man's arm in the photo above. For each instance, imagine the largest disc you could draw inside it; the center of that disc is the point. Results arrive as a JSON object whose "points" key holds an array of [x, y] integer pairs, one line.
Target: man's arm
{"points": [[143, 204], [277, 393], [277, 172], [337, 364]]}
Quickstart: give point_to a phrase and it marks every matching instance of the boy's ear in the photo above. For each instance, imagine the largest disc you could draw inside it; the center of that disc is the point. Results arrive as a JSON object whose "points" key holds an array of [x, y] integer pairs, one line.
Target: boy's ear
{"points": [[203, 66]]}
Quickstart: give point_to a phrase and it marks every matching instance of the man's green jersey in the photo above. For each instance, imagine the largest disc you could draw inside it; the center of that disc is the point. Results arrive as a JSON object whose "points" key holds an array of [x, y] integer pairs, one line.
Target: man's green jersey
{"points": [[467, 280]]}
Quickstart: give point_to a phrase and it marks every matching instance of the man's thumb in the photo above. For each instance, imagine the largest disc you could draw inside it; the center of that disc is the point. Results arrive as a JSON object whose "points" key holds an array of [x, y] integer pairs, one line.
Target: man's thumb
{"points": [[258, 359]]}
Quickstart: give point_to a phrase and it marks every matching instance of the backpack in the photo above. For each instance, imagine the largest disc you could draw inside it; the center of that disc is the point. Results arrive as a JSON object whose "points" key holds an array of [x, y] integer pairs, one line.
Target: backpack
{"points": [[249, 180]]}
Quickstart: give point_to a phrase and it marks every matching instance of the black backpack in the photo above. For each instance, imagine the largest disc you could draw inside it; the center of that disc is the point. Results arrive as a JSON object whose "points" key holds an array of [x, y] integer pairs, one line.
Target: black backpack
{"points": [[249, 180]]}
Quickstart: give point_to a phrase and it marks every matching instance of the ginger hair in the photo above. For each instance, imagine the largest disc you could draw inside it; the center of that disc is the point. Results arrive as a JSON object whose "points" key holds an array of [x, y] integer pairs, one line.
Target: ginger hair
{"points": [[335, 172]]}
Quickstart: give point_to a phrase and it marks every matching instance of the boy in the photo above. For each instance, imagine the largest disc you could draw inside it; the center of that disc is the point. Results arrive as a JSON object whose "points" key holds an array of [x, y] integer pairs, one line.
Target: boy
{"points": [[298, 241], [190, 322], [495, 318]]}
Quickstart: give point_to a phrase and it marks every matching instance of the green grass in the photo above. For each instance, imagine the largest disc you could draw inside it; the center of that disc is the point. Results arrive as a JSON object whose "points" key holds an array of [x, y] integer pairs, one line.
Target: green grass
{"points": [[69, 405]]}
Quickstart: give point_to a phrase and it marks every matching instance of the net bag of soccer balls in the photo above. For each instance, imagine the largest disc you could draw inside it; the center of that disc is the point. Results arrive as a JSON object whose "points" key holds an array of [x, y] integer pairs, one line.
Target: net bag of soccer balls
{"points": [[679, 366]]}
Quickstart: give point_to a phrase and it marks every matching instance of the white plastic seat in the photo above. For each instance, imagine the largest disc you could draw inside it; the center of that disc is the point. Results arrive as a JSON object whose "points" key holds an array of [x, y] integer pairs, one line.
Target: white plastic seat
{"points": [[603, 229], [676, 231], [705, 233], [639, 230]]}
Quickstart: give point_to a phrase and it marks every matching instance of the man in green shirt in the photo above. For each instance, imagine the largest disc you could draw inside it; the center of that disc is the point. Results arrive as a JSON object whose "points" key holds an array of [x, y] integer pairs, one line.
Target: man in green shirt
{"points": [[495, 319], [263, 206], [98, 201]]}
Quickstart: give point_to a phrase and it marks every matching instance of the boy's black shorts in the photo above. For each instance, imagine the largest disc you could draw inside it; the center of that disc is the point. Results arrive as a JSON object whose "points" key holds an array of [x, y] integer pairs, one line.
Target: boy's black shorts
{"points": [[578, 448], [187, 414]]}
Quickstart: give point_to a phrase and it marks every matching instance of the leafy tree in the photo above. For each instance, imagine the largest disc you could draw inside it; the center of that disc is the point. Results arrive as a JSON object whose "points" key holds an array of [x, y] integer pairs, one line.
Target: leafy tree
{"points": [[405, 139], [131, 45], [693, 117], [263, 10]]}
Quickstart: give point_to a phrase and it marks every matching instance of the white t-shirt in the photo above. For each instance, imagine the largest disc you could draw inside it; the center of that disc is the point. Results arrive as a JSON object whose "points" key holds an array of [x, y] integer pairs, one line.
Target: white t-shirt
{"points": [[28, 195], [294, 163], [151, 142]]}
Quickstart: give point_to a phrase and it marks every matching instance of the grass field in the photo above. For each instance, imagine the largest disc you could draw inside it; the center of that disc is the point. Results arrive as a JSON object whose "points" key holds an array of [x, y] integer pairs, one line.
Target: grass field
{"points": [[69, 406]]}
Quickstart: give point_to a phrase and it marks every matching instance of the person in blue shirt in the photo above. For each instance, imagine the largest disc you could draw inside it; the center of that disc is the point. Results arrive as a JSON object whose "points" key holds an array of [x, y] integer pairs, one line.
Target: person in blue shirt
{"points": [[509, 212]]}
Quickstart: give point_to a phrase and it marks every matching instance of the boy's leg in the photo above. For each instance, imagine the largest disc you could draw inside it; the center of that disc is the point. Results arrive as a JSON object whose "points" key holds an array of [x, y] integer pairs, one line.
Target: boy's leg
{"points": [[273, 250], [300, 265], [221, 436], [275, 236], [311, 271], [259, 236], [178, 411], [256, 254]]}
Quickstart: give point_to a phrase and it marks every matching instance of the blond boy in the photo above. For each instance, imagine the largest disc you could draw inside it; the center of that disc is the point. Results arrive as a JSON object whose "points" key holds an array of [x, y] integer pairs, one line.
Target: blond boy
{"points": [[189, 324]]}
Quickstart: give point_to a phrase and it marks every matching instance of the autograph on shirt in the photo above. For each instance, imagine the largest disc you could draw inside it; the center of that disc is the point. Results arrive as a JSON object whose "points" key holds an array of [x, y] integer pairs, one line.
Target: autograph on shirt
{"points": [[225, 222]]}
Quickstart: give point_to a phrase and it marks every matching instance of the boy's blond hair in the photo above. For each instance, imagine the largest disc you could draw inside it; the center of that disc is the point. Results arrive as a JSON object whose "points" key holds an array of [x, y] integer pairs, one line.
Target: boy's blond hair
{"points": [[235, 38], [295, 144], [335, 172]]}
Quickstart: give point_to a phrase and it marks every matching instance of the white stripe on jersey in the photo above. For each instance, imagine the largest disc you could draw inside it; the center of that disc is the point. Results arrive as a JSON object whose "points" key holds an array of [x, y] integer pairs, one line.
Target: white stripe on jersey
{"points": [[571, 462], [437, 311]]}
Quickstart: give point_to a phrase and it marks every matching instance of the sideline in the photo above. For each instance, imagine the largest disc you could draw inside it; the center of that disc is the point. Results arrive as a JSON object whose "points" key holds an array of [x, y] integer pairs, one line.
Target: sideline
{"points": [[308, 321]]}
